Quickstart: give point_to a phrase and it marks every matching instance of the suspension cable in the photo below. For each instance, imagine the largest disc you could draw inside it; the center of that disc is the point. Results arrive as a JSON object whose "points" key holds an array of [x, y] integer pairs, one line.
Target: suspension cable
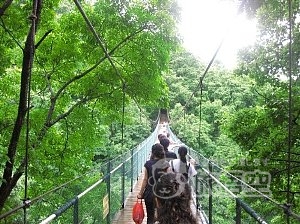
{"points": [[99, 39], [288, 196], [200, 83], [200, 116], [32, 31], [107, 55], [123, 112], [39, 197]]}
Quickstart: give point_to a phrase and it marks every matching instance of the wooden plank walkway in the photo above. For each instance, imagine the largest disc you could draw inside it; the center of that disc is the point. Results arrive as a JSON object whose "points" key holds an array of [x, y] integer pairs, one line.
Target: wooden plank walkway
{"points": [[125, 215]]}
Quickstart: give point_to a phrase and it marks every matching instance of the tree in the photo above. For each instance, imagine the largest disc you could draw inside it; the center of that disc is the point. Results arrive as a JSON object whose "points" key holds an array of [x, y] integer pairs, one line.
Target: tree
{"points": [[221, 93], [74, 81], [268, 131]]}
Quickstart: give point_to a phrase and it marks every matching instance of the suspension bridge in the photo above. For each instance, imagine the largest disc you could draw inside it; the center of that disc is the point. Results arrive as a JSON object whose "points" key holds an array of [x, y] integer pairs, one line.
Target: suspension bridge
{"points": [[111, 197], [111, 189]]}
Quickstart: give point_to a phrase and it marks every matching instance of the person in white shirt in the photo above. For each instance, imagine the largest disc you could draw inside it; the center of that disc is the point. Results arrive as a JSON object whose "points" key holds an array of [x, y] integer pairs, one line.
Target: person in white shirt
{"points": [[181, 165]]}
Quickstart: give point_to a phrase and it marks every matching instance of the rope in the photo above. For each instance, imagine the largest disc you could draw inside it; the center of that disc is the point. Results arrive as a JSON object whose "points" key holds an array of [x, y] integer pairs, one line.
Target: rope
{"points": [[28, 202], [288, 197], [123, 113], [285, 207], [99, 40], [33, 18], [34, 200], [236, 178], [200, 83]]}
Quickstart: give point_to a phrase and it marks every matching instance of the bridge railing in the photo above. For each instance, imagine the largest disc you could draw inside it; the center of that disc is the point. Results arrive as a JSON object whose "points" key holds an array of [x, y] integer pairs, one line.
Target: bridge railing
{"points": [[219, 193], [98, 203], [113, 188], [102, 200]]}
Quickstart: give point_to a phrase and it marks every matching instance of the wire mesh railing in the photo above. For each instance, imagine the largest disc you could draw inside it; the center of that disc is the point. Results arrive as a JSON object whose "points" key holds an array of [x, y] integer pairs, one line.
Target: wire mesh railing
{"points": [[108, 187], [122, 174], [236, 196], [220, 196]]}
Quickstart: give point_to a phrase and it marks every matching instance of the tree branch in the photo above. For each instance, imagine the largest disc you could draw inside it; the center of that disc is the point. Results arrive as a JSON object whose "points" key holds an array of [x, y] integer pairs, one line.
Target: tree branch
{"points": [[126, 39], [11, 35], [10, 179], [283, 170], [43, 38], [80, 102], [5, 6], [83, 74], [284, 160]]}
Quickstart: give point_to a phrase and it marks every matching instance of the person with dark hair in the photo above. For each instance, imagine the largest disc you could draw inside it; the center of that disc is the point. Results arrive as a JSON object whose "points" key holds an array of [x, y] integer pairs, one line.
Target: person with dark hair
{"points": [[173, 197], [181, 165], [172, 143], [161, 136], [169, 155], [153, 169]]}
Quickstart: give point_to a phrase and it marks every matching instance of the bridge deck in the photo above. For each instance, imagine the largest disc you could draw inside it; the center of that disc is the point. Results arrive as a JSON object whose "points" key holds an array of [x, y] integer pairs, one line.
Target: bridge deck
{"points": [[125, 215]]}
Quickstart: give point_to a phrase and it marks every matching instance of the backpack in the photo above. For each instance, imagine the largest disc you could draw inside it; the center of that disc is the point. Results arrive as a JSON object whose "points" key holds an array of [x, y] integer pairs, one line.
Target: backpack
{"points": [[186, 173]]}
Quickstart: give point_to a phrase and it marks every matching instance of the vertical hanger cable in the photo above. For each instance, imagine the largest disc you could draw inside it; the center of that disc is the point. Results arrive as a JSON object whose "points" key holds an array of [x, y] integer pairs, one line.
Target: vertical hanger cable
{"points": [[288, 196], [33, 18]]}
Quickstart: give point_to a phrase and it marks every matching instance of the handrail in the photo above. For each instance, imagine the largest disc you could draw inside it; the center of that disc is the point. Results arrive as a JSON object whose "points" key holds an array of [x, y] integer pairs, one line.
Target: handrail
{"points": [[123, 171], [143, 149], [239, 202], [32, 201], [126, 167]]}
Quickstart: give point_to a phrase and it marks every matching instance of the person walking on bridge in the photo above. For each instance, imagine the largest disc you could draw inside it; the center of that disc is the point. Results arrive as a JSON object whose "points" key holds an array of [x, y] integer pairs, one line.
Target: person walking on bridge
{"points": [[173, 196], [165, 142], [181, 165], [153, 169]]}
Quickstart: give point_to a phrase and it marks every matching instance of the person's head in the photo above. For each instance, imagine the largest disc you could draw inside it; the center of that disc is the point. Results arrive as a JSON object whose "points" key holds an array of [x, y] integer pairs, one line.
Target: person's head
{"points": [[157, 151], [168, 135], [161, 136], [182, 152], [165, 143], [173, 195]]}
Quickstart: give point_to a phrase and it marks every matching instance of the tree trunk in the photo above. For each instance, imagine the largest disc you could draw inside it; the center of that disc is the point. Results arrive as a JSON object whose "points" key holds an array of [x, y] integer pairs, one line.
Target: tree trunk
{"points": [[10, 179]]}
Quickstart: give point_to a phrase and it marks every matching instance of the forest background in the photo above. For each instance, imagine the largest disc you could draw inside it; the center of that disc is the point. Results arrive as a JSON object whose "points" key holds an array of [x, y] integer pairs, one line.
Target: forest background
{"points": [[82, 82]]}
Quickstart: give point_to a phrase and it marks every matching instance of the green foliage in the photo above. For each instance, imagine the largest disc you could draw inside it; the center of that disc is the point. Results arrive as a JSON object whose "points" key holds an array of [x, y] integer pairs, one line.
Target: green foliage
{"points": [[86, 92], [240, 120], [198, 110], [91, 97], [268, 131]]}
